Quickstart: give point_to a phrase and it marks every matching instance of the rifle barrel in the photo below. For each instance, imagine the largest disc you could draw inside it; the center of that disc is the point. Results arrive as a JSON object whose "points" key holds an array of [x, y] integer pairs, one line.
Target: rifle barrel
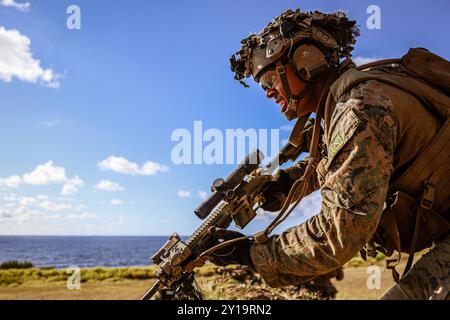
{"points": [[150, 293]]}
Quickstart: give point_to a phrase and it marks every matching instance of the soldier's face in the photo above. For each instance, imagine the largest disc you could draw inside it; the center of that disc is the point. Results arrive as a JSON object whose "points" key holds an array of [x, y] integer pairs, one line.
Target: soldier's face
{"points": [[273, 86]]}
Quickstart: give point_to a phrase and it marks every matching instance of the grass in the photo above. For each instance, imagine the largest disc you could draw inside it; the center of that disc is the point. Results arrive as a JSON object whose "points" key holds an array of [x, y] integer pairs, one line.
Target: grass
{"points": [[133, 282], [14, 264], [14, 273], [352, 287], [19, 276]]}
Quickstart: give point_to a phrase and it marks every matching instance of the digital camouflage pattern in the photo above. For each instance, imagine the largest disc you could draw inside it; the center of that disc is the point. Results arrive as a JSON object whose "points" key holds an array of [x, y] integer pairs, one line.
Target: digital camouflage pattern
{"points": [[429, 278], [354, 179]]}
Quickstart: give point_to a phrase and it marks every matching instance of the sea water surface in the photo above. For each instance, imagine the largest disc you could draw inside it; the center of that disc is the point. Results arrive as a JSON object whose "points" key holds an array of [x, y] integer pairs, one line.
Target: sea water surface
{"points": [[62, 251]]}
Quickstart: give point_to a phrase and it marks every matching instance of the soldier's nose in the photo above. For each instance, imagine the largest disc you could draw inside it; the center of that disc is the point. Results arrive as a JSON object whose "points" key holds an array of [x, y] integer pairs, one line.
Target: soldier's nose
{"points": [[271, 93]]}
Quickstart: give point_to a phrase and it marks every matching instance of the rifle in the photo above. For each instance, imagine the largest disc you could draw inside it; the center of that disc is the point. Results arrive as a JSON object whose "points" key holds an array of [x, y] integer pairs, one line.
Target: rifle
{"points": [[234, 199]]}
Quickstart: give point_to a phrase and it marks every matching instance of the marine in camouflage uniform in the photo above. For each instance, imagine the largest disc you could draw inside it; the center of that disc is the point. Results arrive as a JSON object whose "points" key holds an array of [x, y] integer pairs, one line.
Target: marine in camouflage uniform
{"points": [[370, 135], [362, 143]]}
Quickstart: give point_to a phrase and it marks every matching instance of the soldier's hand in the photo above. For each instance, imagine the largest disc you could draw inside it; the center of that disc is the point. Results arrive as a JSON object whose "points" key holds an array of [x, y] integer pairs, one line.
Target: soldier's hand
{"points": [[277, 191], [238, 253]]}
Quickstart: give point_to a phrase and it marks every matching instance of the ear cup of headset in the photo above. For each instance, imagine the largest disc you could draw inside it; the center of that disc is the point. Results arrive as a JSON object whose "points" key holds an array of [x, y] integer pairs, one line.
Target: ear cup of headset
{"points": [[309, 62]]}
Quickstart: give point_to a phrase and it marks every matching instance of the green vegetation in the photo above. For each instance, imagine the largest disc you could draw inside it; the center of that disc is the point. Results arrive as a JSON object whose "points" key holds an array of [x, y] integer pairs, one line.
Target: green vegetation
{"points": [[14, 273], [14, 264], [131, 283], [18, 276]]}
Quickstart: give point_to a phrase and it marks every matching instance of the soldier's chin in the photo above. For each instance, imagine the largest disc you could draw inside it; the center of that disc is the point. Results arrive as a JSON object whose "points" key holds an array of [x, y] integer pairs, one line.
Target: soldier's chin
{"points": [[291, 111], [290, 115]]}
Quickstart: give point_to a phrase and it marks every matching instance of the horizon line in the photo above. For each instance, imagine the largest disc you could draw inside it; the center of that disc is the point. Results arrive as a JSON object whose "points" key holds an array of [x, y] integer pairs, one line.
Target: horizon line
{"points": [[81, 235]]}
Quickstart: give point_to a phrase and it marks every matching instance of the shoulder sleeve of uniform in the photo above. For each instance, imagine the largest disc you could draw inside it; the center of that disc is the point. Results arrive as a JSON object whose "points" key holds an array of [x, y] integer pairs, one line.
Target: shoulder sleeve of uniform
{"points": [[360, 143]]}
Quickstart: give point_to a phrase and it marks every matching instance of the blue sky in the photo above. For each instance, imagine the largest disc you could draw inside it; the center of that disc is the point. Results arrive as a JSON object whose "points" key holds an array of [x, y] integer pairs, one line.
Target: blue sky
{"points": [[82, 111]]}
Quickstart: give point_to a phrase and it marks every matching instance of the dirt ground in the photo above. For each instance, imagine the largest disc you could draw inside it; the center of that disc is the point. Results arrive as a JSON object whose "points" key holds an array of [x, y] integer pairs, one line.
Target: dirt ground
{"points": [[352, 287], [121, 290]]}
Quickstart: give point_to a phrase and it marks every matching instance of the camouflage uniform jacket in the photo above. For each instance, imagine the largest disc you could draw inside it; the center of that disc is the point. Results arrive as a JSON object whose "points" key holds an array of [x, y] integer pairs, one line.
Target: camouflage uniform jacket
{"points": [[369, 133]]}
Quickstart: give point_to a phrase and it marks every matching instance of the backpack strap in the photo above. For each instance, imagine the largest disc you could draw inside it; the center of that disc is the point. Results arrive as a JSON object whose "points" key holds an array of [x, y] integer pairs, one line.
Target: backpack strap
{"points": [[389, 225]]}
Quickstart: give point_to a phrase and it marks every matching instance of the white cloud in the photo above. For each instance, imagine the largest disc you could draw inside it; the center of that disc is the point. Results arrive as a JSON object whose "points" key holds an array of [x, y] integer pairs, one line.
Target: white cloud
{"points": [[42, 201], [11, 182], [51, 123], [5, 214], [202, 194], [87, 215], [116, 202], [22, 213], [359, 60], [21, 6], [82, 216], [26, 216], [79, 208], [23, 204], [55, 122], [26, 201], [51, 217], [151, 168], [16, 60], [71, 186], [28, 209], [76, 181], [51, 206], [10, 197], [68, 189], [122, 165], [106, 185], [45, 174], [184, 194]]}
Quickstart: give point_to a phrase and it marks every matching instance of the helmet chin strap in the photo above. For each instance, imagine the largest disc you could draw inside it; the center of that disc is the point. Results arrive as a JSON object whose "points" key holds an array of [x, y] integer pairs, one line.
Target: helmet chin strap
{"points": [[292, 101]]}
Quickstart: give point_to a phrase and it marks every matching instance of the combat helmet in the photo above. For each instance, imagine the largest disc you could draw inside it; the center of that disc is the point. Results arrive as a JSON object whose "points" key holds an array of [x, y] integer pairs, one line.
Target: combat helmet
{"points": [[312, 42]]}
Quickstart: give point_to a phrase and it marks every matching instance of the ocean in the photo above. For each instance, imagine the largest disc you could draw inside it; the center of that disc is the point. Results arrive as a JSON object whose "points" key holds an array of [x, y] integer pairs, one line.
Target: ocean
{"points": [[62, 252]]}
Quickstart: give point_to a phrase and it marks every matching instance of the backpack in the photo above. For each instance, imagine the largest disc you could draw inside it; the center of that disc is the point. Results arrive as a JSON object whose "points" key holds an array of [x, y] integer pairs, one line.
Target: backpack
{"points": [[417, 206]]}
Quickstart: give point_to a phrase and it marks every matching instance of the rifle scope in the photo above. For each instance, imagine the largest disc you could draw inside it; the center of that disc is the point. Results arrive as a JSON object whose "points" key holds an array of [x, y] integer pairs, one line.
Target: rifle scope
{"points": [[223, 189]]}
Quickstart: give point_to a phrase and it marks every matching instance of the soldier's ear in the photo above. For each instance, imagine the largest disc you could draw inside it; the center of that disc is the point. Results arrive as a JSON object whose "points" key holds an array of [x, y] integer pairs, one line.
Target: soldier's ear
{"points": [[309, 62]]}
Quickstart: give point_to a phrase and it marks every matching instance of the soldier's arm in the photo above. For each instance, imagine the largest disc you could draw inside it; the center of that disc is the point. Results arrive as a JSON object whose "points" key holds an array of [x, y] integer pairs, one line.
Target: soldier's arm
{"points": [[360, 147]]}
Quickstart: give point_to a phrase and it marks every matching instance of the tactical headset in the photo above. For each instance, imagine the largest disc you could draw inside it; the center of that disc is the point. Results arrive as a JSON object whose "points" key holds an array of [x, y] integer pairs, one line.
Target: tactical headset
{"points": [[308, 63]]}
